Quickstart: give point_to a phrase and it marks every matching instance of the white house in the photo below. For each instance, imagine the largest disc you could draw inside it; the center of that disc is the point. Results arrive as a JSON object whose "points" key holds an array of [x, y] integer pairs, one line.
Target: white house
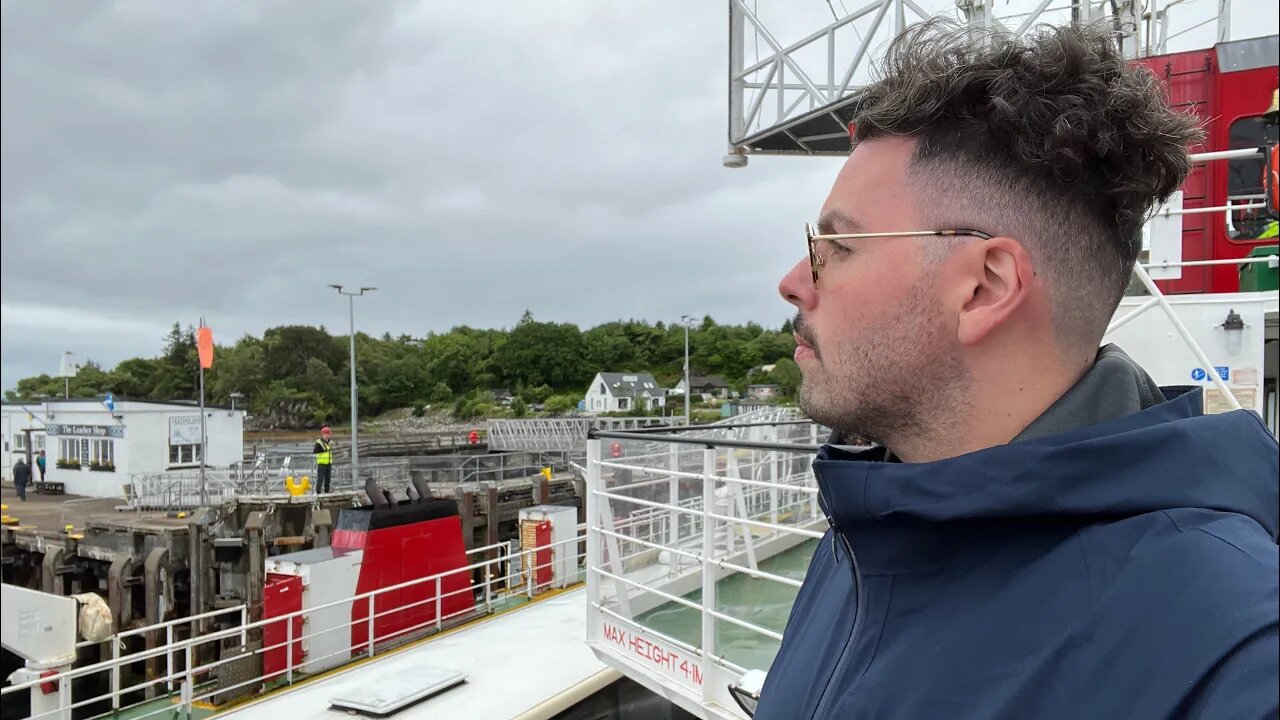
{"points": [[93, 446], [620, 392], [763, 391], [704, 387]]}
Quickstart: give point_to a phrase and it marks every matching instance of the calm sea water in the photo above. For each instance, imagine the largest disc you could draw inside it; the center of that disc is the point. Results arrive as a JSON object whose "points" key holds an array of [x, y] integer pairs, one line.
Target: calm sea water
{"points": [[760, 602]]}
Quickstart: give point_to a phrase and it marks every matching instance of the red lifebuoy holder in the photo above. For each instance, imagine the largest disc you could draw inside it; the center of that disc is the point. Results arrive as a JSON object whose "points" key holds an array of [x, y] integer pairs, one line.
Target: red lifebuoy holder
{"points": [[615, 450]]}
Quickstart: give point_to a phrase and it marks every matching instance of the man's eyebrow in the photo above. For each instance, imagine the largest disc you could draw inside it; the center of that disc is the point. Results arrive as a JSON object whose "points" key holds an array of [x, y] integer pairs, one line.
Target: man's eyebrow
{"points": [[835, 222]]}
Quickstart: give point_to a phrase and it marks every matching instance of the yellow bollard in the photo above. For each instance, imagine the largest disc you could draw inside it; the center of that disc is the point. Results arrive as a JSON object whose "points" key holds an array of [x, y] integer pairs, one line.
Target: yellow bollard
{"points": [[299, 487]]}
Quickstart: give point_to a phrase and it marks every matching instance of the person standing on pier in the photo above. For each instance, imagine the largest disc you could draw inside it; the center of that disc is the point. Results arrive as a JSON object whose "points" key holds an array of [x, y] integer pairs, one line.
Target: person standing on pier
{"points": [[323, 451], [21, 476]]}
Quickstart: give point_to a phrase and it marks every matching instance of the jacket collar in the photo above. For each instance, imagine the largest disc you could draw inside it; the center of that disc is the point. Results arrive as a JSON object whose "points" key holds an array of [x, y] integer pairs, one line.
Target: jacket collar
{"points": [[855, 485]]}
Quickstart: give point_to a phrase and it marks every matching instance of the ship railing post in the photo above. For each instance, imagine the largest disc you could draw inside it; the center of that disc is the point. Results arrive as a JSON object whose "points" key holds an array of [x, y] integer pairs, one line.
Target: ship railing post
{"points": [[168, 656], [372, 603], [673, 515], [188, 685], [439, 620], [244, 622], [288, 651], [488, 587], [814, 510], [529, 571], [593, 535], [708, 566], [64, 694], [115, 674]]}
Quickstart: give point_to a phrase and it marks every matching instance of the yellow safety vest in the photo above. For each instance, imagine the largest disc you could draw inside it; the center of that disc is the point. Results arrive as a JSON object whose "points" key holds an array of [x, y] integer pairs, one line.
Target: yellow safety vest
{"points": [[325, 457]]}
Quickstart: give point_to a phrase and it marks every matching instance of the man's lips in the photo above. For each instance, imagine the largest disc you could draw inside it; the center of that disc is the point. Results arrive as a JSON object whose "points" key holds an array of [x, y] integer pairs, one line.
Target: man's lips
{"points": [[804, 350]]}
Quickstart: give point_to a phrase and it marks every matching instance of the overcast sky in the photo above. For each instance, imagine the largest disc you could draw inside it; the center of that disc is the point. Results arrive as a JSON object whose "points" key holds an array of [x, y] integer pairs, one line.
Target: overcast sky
{"points": [[164, 161]]}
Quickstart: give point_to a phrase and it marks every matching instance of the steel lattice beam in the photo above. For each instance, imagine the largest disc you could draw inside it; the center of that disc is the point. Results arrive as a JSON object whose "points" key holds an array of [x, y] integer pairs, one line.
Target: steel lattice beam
{"points": [[786, 98]]}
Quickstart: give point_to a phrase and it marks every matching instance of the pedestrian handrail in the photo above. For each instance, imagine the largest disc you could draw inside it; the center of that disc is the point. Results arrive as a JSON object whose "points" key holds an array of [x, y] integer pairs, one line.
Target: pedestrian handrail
{"points": [[670, 515], [504, 577]]}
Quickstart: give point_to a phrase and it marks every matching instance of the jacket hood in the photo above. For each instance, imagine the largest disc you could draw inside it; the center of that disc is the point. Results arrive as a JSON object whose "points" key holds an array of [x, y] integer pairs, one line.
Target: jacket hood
{"points": [[1170, 455]]}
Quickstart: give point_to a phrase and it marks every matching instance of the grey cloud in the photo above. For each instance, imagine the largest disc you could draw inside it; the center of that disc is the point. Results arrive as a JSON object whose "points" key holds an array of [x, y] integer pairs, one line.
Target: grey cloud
{"points": [[166, 161]]}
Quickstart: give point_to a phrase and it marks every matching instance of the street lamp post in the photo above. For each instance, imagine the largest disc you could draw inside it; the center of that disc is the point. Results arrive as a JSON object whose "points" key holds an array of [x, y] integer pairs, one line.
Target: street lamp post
{"points": [[684, 320], [355, 423]]}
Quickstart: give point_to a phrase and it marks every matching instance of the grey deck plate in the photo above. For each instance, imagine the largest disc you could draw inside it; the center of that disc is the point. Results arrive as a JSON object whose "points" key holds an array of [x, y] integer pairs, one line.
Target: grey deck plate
{"points": [[393, 694]]}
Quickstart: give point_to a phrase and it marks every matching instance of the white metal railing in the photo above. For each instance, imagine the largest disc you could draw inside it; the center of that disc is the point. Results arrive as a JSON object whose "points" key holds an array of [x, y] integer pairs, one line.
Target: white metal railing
{"points": [[674, 516], [186, 489], [116, 641], [505, 577], [498, 466], [561, 434]]}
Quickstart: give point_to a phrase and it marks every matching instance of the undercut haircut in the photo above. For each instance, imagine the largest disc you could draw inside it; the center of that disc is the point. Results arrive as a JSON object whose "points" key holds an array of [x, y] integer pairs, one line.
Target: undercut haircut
{"points": [[1052, 138]]}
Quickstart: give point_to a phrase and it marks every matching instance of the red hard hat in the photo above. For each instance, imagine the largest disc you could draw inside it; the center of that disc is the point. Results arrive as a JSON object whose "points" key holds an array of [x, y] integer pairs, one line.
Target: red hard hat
{"points": [[325, 429]]}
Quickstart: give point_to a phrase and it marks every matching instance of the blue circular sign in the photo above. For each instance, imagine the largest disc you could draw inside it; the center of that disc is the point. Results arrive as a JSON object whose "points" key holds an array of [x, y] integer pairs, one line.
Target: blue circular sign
{"points": [[1198, 374]]}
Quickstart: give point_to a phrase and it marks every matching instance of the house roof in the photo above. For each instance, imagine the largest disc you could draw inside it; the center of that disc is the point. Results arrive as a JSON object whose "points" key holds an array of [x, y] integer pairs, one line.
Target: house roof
{"points": [[707, 381], [631, 384]]}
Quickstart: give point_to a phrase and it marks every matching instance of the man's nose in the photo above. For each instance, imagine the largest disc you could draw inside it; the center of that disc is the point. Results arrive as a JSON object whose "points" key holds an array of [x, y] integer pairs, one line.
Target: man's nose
{"points": [[797, 286]]}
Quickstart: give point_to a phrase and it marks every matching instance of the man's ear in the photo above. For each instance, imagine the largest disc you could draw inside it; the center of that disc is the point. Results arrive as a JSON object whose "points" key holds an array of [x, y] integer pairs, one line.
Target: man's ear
{"points": [[999, 275]]}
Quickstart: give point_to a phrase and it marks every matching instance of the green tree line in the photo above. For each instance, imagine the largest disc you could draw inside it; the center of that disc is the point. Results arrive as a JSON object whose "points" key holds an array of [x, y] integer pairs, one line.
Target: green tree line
{"points": [[297, 376]]}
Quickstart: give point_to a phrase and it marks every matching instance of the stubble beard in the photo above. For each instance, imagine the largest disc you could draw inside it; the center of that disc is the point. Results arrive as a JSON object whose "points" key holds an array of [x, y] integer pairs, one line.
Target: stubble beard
{"points": [[899, 380]]}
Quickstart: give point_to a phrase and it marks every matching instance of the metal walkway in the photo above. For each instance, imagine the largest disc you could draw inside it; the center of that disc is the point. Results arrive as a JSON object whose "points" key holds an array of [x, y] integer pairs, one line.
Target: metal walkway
{"points": [[561, 434], [512, 662]]}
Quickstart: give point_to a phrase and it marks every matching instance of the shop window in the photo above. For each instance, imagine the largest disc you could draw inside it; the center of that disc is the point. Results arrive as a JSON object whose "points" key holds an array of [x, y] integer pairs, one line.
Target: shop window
{"points": [[184, 454], [102, 455], [72, 452], [1244, 179]]}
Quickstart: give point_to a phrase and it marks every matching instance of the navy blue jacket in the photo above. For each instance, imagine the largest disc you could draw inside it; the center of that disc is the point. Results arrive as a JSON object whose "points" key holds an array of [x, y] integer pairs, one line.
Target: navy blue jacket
{"points": [[1124, 570]]}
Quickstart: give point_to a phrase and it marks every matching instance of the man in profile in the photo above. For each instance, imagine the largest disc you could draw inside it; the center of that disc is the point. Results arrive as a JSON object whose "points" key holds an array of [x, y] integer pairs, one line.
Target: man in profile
{"points": [[1039, 531]]}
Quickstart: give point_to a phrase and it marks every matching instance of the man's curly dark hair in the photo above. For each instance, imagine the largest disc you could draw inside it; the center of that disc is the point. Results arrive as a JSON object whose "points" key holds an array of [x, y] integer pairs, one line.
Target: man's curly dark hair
{"points": [[1053, 138]]}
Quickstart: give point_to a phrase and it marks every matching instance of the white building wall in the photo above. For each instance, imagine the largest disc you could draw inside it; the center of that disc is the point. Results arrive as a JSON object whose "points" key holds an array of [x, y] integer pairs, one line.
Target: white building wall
{"points": [[7, 459], [75, 431], [139, 435], [13, 420], [597, 401]]}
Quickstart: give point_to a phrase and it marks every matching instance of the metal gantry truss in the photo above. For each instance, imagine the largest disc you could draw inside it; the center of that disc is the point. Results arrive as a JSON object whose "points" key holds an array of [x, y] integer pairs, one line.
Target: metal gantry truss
{"points": [[786, 96]]}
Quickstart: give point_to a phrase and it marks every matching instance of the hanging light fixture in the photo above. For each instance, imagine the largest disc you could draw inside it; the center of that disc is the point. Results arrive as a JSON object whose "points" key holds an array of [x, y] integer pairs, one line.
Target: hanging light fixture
{"points": [[746, 692], [1234, 327]]}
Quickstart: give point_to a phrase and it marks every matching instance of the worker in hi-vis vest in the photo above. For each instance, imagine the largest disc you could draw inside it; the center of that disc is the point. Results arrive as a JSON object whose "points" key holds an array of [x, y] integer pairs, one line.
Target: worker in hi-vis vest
{"points": [[324, 459]]}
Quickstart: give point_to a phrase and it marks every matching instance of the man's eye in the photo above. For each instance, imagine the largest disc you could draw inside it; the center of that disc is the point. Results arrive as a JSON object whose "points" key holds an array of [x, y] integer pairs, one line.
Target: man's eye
{"points": [[836, 248]]}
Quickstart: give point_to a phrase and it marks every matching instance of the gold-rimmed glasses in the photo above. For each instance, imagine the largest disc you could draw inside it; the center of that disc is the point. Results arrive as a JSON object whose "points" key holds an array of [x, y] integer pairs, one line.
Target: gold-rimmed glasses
{"points": [[817, 260]]}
